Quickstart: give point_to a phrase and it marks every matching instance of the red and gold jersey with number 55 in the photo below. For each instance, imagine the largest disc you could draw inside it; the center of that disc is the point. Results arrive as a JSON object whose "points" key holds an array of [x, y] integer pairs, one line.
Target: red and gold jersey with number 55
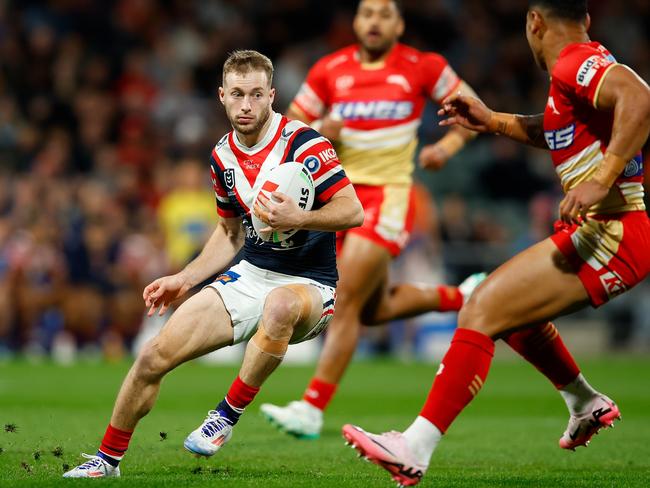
{"points": [[381, 105]]}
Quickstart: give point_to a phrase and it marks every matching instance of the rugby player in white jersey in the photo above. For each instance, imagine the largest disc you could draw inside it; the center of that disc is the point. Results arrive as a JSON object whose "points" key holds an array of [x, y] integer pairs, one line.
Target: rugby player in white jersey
{"points": [[280, 293]]}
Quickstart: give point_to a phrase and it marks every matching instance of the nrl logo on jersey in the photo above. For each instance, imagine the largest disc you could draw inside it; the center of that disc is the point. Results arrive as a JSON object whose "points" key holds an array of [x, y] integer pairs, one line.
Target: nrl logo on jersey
{"points": [[229, 178]]}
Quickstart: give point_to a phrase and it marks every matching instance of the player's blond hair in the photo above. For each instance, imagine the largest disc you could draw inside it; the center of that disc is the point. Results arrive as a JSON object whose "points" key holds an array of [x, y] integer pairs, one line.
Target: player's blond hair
{"points": [[245, 61]]}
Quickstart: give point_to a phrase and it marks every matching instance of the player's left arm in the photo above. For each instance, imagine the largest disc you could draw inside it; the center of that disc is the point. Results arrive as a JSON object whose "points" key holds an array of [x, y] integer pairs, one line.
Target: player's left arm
{"points": [[624, 93]]}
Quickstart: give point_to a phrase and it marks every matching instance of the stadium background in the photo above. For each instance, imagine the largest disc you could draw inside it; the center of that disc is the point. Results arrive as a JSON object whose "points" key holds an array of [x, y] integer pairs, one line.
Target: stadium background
{"points": [[108, 111]]}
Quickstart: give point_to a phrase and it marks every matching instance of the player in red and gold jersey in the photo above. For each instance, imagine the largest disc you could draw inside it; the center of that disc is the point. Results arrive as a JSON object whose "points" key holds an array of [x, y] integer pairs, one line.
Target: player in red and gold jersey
{"points": [[368, 98], [596, 121]]}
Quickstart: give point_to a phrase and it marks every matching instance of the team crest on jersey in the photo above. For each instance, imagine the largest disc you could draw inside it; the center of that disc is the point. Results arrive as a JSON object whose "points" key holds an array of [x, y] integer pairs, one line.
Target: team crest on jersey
{"points": [[344, 82], [229, 178]]}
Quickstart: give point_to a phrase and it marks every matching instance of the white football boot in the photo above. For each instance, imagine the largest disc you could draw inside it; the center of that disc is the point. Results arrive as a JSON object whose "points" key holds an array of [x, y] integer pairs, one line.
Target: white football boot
{"points": [[469, 284], [95, 467], [210, 436], [299, 418]]}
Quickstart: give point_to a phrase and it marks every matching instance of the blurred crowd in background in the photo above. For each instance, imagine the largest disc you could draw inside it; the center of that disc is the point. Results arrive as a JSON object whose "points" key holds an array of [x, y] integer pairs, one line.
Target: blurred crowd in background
{"points": [[108, 114]]}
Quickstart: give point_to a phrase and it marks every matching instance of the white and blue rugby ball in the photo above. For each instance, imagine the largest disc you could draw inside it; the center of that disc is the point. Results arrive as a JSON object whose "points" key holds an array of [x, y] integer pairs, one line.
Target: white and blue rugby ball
{"points": [[294, 180]]}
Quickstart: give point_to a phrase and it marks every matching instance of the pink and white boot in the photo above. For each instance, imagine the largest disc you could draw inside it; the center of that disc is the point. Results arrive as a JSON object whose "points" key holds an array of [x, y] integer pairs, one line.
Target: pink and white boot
{"points": [[388, 450], [601, 412]]}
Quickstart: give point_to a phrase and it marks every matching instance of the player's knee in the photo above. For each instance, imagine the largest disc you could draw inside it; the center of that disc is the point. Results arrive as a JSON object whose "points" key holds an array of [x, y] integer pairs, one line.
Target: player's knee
{"points": [[282, 312], [152, 362]]}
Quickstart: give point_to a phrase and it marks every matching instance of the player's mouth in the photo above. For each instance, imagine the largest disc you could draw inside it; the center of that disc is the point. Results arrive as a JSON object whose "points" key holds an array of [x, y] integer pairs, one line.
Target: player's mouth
{"points": [[373, 35], [245, 120]]}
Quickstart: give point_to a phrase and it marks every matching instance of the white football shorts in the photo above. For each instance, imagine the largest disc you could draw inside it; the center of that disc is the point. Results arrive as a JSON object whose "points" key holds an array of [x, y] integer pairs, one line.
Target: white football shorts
{"points": [[243, 289]]}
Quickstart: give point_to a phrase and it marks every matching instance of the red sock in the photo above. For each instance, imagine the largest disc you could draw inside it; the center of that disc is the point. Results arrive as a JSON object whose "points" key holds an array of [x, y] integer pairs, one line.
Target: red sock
{"points": [[319, 393], [451, 299], [543, 347], [240, 394], [460, 377], [115, 442]]}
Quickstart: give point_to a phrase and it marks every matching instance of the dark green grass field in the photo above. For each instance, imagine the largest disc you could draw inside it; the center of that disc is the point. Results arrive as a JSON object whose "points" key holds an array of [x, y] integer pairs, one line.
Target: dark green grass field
{"points": [[507, 437]]}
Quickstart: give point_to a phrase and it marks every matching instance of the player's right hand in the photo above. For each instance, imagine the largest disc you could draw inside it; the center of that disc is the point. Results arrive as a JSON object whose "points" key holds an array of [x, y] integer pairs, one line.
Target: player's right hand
{"points": [[466, 111], [163, 291]]}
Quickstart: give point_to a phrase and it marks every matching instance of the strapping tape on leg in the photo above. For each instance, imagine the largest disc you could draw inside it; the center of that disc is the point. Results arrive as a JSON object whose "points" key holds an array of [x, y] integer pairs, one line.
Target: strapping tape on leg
{"points": [[273, 347]]}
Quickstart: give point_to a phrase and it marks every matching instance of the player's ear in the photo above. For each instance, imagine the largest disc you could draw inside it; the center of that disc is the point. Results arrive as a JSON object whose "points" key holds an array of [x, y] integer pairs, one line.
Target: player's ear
{"points": [[400, 27], [587, 22], [272, 94], [221, 94], [535, 23]]}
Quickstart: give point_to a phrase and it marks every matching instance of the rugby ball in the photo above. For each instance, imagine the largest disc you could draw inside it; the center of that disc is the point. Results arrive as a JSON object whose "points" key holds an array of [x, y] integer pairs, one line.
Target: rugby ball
{"points": [[294, 180]]}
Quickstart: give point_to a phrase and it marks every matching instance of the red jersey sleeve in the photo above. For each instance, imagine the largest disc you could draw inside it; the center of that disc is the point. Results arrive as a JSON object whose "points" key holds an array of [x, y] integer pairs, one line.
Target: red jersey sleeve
{"points": [[582, 72], [319, 157], [313, 96], [439, 79]]}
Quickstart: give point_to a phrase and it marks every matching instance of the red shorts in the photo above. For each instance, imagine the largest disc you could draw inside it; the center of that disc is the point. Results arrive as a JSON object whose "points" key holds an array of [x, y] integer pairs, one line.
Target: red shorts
{"points": [[610, 253], [388, 220]]}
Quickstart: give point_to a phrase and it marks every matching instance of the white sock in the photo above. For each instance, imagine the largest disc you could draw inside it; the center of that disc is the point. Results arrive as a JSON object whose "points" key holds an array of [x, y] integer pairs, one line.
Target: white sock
{"points": [[422, 438], [577, 395]]}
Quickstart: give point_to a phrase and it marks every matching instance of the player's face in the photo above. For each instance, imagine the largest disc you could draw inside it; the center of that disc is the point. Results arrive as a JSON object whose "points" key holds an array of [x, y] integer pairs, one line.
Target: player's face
{"points": [[247, 98], [378, 25]]}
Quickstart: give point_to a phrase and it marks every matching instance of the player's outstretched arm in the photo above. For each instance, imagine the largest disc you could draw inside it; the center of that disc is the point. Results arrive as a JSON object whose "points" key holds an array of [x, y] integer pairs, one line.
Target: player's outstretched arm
{"points": [[628, 96], [342, 211], [218, 252], [435, 156], [473, 114]]}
